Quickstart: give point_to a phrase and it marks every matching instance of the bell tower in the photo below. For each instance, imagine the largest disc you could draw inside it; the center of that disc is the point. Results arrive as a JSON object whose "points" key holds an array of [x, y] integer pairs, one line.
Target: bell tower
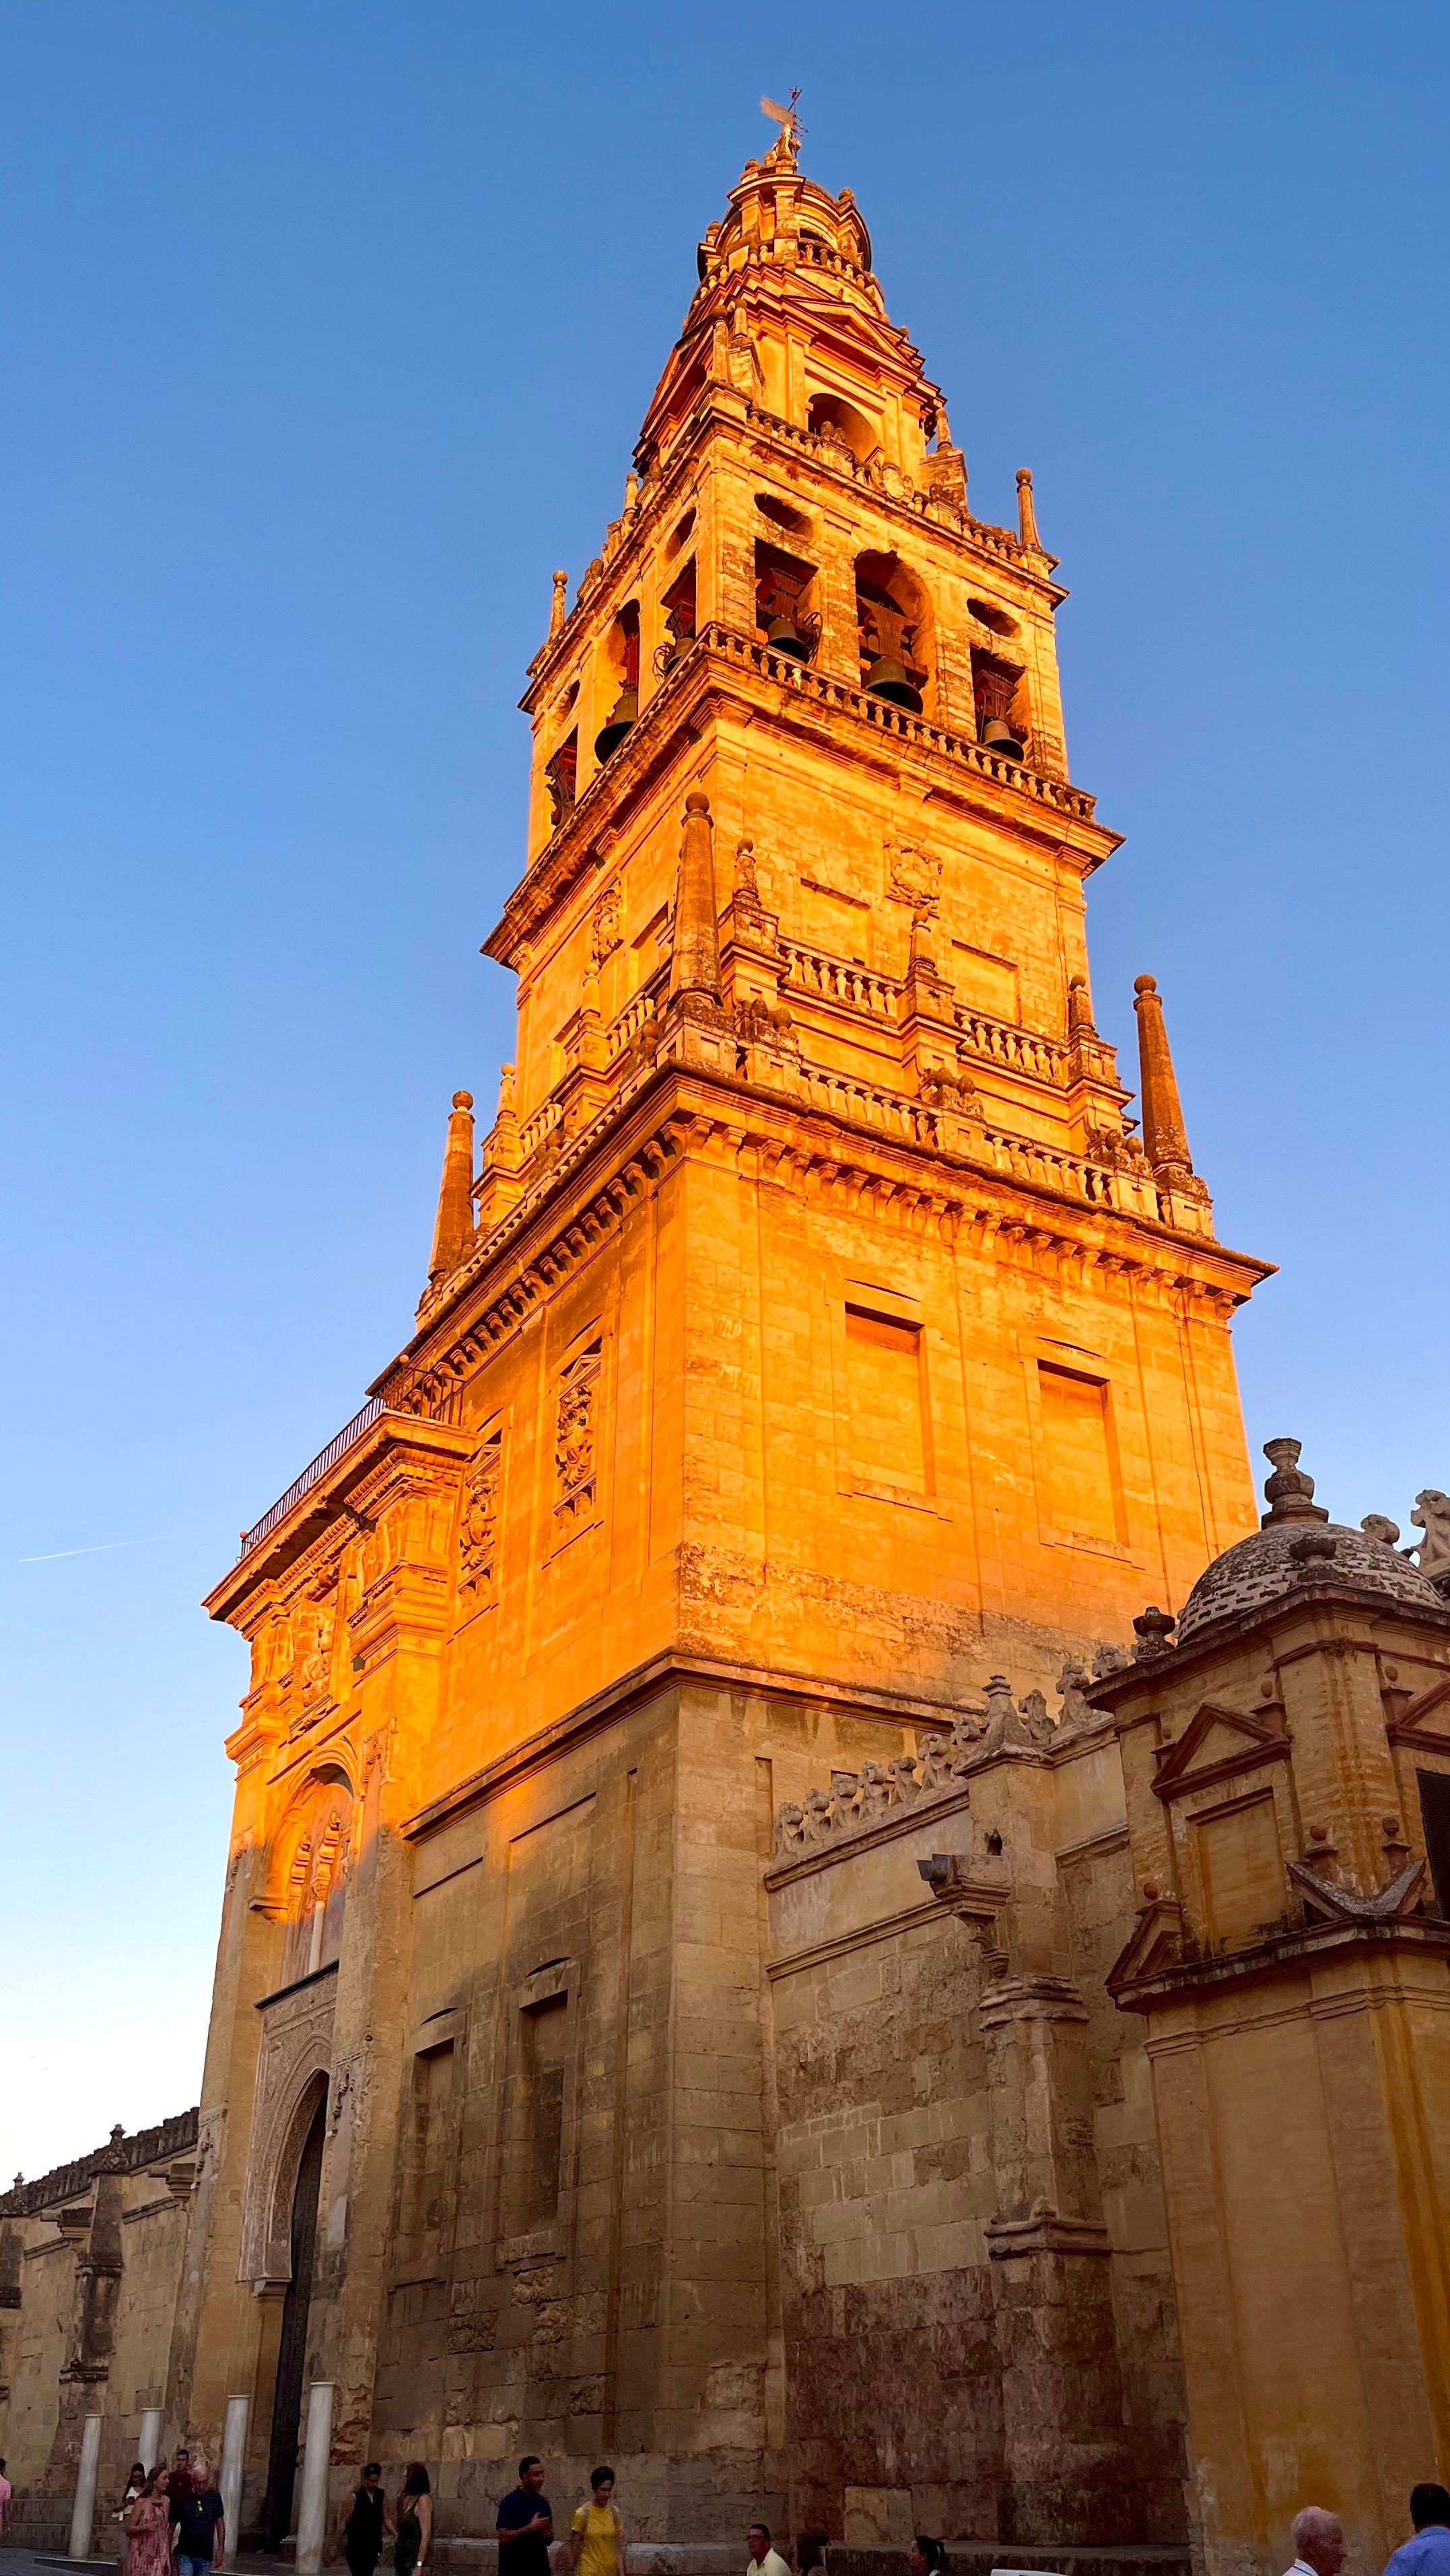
{"points": [[933, 1353], [813, 1342]]}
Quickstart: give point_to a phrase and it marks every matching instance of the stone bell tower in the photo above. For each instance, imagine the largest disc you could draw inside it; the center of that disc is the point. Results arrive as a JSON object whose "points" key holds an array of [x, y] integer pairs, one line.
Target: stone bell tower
{"points": [[815, 1339]]}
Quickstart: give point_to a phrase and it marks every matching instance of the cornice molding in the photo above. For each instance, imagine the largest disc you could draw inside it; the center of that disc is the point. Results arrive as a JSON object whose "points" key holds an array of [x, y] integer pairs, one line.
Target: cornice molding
{"points": [[673, 1109]]}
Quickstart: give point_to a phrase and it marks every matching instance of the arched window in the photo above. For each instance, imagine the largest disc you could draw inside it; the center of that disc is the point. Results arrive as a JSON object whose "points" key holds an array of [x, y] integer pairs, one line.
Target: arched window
{"points": [[316, 1886], [893, 619]]}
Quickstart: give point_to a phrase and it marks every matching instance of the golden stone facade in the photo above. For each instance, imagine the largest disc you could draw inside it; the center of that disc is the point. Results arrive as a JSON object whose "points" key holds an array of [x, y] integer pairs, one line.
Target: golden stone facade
{"points": [[665, 2000]]}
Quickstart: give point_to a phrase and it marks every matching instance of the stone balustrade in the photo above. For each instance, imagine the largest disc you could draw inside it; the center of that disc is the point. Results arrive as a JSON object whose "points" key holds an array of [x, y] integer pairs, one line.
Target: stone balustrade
{"points": [[846, 699], [1019, 1050], [534, 1129], [838, 979]]}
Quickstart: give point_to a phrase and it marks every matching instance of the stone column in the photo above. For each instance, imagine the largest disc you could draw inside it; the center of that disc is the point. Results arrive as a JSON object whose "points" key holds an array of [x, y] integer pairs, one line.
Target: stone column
{"points": [[316, 2460], [1062, 2398], [234, 2458], [148, 2447], [83, 2512]]}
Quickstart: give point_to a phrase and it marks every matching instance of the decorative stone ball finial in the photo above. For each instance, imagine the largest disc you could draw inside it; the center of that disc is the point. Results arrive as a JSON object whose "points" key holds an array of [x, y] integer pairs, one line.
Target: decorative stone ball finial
{"points": [[463, 1100], [1288, 1493], [1313, 1552], [1154, 1632], [557, 610]]}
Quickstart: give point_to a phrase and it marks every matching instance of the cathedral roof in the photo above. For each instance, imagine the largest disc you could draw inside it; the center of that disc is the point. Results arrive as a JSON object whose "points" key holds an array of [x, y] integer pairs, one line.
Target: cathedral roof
{"points": [[1298, 1538]]}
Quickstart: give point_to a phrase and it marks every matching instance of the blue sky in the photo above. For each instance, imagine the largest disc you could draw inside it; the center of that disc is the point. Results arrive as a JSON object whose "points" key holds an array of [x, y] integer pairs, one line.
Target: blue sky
{"points": [[329, 326]]}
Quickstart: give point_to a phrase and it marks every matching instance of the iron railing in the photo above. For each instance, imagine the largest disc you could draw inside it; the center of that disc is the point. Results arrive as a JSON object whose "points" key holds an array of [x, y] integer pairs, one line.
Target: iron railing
{"points": [[337, 1446]]}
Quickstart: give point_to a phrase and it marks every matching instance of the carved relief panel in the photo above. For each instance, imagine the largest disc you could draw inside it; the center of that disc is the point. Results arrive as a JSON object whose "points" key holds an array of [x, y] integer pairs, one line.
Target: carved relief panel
{"points": [[478, 1521], [576, 1442]]}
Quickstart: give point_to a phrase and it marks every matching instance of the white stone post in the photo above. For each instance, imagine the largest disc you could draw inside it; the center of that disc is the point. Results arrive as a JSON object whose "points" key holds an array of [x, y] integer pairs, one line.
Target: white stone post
{"points": [[83, 2514], [316, 2460], [234, 2458], [148, 2449]]}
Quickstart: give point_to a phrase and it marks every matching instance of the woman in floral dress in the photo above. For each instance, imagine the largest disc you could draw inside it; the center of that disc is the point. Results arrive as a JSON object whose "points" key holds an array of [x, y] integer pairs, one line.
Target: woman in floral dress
{"points": [[147, 2526]]}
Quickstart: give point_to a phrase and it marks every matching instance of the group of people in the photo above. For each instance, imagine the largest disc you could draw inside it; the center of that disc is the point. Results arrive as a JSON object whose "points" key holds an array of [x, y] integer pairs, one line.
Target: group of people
{"points": [[597, 2544], [1320, 2549], [172, 2522]]}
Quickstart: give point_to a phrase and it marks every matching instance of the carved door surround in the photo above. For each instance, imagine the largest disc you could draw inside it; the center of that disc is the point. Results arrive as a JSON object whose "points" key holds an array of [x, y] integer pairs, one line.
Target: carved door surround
{"points": [[294, 2065]]}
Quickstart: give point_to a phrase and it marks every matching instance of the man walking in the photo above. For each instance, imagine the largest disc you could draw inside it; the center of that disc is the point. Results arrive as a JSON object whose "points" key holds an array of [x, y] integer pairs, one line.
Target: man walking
{"points": [[525, 2523], [763, 2558], [1428, 2554], [197, 2524]]}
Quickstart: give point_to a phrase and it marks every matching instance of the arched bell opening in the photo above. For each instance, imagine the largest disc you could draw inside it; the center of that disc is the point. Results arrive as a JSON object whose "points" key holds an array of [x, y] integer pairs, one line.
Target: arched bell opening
{"points": [[561, 774], [678, 605], [842, 425], [999, 693], [893, 619], [786, 617], [287, 2390], [622, 659]]}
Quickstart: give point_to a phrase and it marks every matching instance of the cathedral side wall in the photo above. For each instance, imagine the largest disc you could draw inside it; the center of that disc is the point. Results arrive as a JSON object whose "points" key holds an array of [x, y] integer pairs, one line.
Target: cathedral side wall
{"points": [[900, 2144], [40, 2342]]}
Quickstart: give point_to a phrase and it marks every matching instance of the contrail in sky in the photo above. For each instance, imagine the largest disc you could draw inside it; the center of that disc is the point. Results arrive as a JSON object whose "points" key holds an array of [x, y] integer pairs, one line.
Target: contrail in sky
{"points": [[105, 1548]]}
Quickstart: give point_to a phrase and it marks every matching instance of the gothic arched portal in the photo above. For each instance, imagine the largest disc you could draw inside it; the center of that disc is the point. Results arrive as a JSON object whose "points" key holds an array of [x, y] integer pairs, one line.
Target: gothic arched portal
{"points": [[292, 2349]]}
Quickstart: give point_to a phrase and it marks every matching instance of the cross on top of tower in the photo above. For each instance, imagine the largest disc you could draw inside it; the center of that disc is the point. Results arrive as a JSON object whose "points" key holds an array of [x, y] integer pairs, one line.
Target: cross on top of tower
{"points": [[784, 152]]}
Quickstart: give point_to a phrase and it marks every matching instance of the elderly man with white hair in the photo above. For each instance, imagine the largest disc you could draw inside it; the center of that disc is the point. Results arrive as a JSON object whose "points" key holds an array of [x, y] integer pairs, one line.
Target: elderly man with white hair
{"points": [[1318, 2539]]}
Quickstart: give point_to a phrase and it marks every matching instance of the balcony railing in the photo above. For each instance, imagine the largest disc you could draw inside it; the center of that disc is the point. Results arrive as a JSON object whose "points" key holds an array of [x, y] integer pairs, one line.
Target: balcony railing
{"points": [[325, 1460]]}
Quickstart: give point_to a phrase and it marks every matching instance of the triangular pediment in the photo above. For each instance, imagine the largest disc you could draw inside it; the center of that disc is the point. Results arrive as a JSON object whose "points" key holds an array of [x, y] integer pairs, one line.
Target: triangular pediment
{"points": [[1156, 1941], [1217, 1743], [1422, 1720]]}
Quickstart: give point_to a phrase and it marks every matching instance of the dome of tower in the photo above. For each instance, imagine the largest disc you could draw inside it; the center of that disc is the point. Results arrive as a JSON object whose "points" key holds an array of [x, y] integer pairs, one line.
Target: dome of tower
{"points": [[1269, 1564]]}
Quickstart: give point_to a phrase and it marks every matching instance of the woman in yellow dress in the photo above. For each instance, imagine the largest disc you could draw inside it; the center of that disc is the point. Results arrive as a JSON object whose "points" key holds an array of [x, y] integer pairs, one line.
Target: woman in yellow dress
{"points": [[596, 2535]]}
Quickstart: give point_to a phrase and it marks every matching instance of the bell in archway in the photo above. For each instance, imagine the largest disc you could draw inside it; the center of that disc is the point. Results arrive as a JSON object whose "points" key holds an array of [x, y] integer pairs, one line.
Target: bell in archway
{"points": [[888, 679], [623, 715], [997, 735], [784, 636]]}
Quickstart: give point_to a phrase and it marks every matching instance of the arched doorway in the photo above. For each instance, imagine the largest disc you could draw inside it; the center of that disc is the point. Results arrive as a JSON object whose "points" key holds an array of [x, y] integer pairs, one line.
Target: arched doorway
{"points": [[292, 2351]]}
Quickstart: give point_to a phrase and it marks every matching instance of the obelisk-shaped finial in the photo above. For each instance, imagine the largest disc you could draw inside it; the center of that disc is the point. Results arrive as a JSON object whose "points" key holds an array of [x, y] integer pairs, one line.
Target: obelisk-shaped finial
{"points": [[558, 609], [695, 965], [453, 1231], [1027, 512], [1164, 1139]]}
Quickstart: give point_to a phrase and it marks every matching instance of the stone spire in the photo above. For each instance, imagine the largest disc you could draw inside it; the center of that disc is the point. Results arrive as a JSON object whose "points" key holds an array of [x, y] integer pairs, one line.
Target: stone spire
{"points": [[1164, 1140], [695, 965], [453, 1232]]}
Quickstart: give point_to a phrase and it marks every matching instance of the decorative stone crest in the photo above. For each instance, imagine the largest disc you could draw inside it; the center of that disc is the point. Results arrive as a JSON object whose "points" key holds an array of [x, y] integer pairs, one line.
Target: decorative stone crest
{"points": [[913, 875], [605, 930]]}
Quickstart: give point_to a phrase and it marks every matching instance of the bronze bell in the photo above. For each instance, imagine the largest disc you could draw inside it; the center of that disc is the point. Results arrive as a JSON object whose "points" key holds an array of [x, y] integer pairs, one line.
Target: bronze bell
{"points": [[784, 636], [888, 679], [997, 735], [624, 714]]}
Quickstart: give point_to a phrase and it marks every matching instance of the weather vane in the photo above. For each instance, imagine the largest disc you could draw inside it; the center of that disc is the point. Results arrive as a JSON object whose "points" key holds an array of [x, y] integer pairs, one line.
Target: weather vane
{"points": [[787, 118]]}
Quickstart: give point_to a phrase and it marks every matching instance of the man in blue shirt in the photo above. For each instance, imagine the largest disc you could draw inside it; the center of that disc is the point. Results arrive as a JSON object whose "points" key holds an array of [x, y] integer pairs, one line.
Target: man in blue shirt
{"points": [[525, 2523], [1428, 2554]]}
